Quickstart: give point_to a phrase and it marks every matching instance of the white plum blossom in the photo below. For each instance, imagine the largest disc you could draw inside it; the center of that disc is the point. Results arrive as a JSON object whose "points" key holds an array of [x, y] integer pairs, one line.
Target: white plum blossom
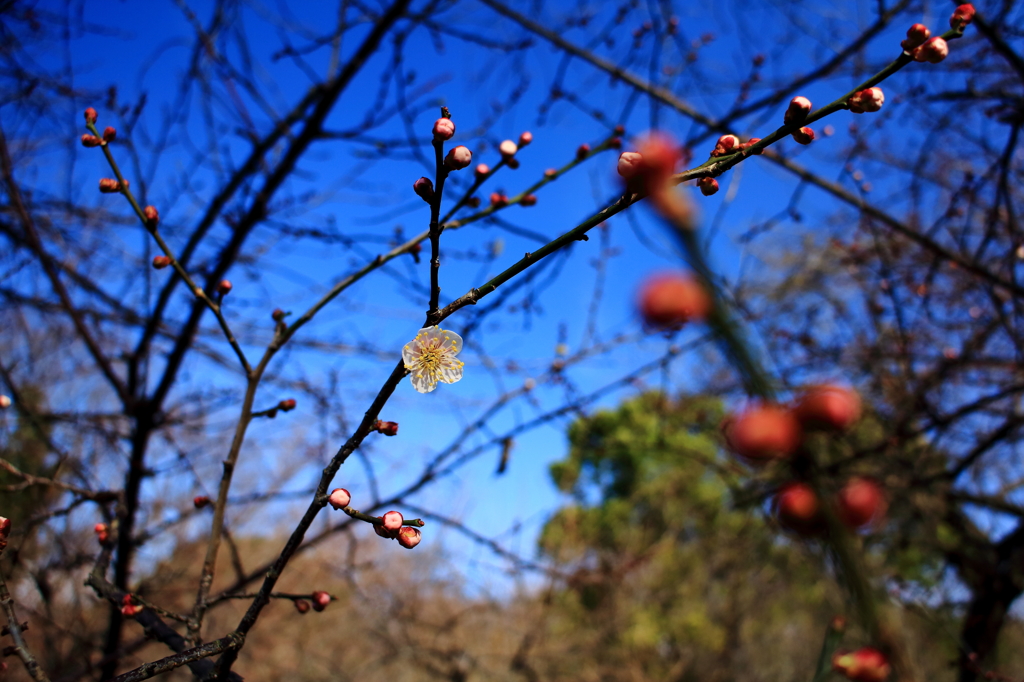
{"points": [[430, 358]]}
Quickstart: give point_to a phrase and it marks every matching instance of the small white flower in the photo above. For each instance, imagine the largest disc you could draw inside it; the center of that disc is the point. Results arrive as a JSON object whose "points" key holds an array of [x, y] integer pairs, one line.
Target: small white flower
{"points": [[430, 358]]}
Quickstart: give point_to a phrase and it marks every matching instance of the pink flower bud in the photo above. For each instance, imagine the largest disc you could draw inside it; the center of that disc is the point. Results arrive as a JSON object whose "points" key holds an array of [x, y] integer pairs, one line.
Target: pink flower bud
{"points": [[798, 109], [615, 143], [725, 145], [102, 532], [384, 532], [424, 189], [90, 115], [528, 200], [392, 520], [5, 531], [458, 158], [224, 287], [630, 164], [473, 202], [409, 537], [200, 501], [962, 16], [152, 216], [161, 262], [868, 100], [287, 405], [128, 606], [444, 129], [320, 600], [708, 186], [277, 315], [301, 605], [339, 498], [498, 200], [5, 402], [582, 151], [482, 170], [916, 35], [550, 173], [750, 143], [804, 136], [110, 186], [386, 428], [933, 51], [91, 141], [109, 134], [507, 149], [525, 138]]}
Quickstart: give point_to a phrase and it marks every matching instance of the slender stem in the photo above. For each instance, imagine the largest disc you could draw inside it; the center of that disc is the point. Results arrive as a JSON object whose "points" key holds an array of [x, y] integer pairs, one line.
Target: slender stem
{"points": [[14, 629], [197, 291]]}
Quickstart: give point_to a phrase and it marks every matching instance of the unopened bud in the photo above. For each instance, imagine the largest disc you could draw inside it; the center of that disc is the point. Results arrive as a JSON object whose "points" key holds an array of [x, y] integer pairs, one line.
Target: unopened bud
{"points": [[5, 402], [458, 158], [277, 315], [962, 16], [525, 138], [619, 130], [161, 262], [320, 600], [128, 606], [5, 531], [750, 143], [583, 151], [424, 189], [550, 173], [498, 200], [481, 170], [512, 162], [91, 141], [152, 216], [384, 532], [444, 129], [916, 35], [528, 200], [111, 186], [339, 498], [615, 143], [409, 536], [90, 115], [109, 134], [102, 532], [798, 109], [529, 384], [201, 501], [386, 428], [804, 136], [507, 149], [301, 605], [287, 405], [725, 145], [392, 520], [224, 287], [630, 164], [473, 202], [868, 100], [933, 51], [708, 186]]}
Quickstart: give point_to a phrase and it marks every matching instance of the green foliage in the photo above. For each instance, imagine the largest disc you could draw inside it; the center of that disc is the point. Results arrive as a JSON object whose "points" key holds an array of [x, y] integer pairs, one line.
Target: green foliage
{"points": [[667, 573]]}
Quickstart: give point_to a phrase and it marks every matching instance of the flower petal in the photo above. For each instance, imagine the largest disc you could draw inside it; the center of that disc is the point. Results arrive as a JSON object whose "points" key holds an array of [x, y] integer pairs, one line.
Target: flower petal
{"points": [[411, 351], [422, 383], [453, 339], [451, 371]]}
